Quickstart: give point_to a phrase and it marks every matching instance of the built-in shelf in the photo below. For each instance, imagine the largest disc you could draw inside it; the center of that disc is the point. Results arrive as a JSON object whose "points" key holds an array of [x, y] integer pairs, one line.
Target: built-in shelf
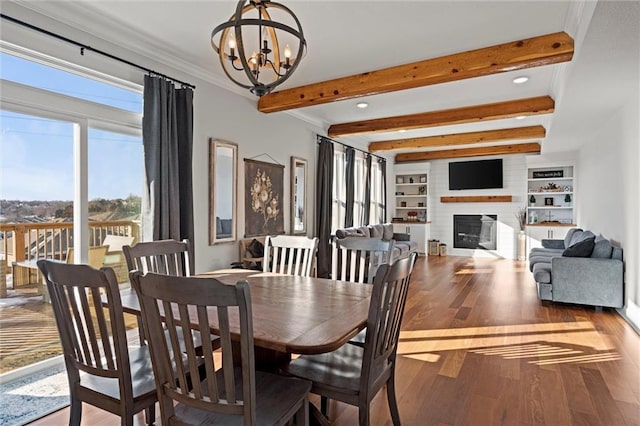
{"points": [[478, 199], [552, 224], [550, 208], [549, 193], [411, 208]]}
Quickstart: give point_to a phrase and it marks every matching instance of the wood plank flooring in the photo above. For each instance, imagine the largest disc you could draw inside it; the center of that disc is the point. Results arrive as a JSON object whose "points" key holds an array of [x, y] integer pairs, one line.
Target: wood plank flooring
{"points": [[477, 347]]}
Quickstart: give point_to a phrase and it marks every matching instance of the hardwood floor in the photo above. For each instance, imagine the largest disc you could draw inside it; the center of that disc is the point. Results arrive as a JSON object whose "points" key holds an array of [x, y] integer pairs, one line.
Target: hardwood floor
{"points": [[477, 347]]}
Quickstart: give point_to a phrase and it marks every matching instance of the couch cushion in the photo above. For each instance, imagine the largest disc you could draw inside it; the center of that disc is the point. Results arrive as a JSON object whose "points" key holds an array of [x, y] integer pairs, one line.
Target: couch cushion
{"points": [[387, 234], [575, 238], [602, 249], [376, 231], [567, 238], [352, 232], [542, 272], [583, 248]]}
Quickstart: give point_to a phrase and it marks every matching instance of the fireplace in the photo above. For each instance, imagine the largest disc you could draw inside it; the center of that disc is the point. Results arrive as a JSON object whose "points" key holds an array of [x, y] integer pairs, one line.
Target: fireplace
{"points": [[475, 231]]}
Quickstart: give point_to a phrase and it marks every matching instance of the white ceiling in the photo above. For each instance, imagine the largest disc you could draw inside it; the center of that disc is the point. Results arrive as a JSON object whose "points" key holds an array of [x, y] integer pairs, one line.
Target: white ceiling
{"points": [[349, 37]]}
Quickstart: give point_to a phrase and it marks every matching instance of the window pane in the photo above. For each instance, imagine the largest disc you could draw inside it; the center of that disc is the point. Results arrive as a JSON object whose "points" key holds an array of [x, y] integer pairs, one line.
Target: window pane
{"points": [[45, 77]]}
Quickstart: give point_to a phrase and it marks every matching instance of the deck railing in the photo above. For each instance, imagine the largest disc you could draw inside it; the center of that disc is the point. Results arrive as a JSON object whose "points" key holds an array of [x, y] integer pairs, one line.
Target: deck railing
{"points": [[51, 240]]}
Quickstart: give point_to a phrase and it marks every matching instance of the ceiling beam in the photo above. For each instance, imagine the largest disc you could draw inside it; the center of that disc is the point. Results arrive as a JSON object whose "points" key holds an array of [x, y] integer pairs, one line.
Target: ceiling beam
{"points": [[520, 148], [472, 114], [519, 133], [520, 54]]}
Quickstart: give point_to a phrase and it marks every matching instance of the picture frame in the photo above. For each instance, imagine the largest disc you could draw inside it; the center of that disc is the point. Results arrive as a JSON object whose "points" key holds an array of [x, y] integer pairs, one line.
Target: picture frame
{"points": [[548, 201], [263, 198]]}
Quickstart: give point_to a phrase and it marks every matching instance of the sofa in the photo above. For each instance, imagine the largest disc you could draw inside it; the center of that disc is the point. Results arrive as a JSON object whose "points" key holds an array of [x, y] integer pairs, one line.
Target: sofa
{"points": [[582, 268], [403, 245]]}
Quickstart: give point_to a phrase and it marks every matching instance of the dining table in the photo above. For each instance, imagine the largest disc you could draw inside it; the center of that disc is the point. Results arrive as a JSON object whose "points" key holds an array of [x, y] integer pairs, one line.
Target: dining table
{"points": [[291, 314]]}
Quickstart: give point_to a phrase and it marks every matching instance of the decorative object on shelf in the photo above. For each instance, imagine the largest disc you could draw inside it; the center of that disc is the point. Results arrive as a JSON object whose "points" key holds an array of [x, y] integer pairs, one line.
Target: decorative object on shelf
{"points": [[521, 215], [411, 180], [550, 187], [567, 199], [412, 216], [533, 217], [548, 174], [423, 179], [532, 200], [567, 188], [269, 65], [399, 193], [422, 190], [420, 204], [548, 201], [403, 204], [399, 179]]}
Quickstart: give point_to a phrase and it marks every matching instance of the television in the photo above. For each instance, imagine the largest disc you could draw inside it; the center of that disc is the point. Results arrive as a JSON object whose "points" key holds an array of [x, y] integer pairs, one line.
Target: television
{"points": [[481, 174]]}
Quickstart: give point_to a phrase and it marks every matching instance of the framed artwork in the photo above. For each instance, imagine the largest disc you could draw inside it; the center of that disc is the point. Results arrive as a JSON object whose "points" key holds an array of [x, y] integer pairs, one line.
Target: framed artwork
{"points": [[263, 198]]}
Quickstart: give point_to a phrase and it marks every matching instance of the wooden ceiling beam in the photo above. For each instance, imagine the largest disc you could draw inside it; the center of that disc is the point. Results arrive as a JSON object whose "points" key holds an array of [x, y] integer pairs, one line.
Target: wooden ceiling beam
{"points": [[521, 148], [519, 133], [520, 54], [472, 114]]}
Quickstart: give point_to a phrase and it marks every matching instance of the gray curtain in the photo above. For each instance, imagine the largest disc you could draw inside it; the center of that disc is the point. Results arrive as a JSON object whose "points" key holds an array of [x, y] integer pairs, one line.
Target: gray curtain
{"points": [[324, 203], [383, 170], [366, 211], [349, 176], [167, 135]]}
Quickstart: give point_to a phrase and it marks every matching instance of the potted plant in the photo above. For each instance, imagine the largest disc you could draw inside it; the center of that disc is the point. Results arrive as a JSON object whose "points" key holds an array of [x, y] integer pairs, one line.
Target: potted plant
{"points": [[567, 199], [532, 200]]}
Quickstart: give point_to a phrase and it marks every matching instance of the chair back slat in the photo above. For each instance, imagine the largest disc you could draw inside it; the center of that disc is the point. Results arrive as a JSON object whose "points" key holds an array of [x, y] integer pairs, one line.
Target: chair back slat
{"points": [[388, 300], [290, 255], [188, 304], [357, 259], [168, 257]]}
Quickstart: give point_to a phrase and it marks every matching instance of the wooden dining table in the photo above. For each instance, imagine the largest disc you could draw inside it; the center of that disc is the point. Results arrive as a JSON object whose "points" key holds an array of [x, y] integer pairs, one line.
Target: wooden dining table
{"points": [[291, 314]]}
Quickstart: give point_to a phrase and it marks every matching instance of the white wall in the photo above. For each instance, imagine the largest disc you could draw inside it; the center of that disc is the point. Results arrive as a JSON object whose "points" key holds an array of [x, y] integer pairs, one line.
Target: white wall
{"points": [[441, 214], [609, 203]]}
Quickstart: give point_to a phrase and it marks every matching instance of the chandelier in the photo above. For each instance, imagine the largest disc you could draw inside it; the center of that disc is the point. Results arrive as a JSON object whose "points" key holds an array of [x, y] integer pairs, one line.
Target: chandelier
{"points": [[253, 29]]}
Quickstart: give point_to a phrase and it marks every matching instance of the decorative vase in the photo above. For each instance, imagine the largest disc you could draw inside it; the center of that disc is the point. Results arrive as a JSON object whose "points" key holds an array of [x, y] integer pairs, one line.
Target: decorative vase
{"points": [[522, 246]]}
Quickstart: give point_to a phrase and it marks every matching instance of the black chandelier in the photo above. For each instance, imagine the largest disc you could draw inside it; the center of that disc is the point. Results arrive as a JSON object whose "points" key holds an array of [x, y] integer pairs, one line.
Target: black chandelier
{"points": [[268, 65]]}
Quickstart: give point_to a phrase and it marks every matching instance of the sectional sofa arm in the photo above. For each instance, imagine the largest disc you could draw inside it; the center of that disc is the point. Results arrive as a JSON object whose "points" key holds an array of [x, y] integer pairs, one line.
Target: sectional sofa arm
{"points": [[553, 244], [585, 280]]}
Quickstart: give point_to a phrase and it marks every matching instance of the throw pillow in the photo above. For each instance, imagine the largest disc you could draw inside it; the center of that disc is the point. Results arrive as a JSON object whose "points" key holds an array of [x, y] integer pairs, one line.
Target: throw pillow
{"points": [[256, 248], [580, 249]]}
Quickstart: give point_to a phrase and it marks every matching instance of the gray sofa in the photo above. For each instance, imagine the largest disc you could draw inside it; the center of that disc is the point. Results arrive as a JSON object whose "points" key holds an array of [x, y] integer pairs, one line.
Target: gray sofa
{"points": [[593, 278], [402, 247]]}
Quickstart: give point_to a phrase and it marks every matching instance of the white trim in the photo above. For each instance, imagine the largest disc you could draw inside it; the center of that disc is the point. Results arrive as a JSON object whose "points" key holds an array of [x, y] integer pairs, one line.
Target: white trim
{"points": [[31, 369]]}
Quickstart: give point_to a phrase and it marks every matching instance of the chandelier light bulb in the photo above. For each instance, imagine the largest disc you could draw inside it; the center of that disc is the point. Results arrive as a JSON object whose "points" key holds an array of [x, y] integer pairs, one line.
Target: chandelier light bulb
{"points": [[287, 52], [232, 41]]}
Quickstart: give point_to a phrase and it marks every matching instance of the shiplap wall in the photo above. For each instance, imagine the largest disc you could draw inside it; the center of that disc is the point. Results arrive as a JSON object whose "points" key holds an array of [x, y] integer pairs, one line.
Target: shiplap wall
{"points": [[515, 184]]}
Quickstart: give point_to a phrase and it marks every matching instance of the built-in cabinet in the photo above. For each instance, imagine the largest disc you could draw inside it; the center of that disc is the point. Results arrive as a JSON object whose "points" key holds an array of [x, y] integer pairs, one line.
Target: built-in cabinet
{"points": [[550, 201], [411, 210]]}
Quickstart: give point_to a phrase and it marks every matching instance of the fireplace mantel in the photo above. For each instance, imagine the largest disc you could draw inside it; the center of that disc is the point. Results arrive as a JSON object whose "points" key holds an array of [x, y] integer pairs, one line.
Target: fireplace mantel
{"points": [[477, 199]]}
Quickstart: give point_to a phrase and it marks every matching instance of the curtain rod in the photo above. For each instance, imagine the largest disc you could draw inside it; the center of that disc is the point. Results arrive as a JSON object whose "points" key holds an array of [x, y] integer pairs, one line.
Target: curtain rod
{"points": [[84, 47], [319, 138]]}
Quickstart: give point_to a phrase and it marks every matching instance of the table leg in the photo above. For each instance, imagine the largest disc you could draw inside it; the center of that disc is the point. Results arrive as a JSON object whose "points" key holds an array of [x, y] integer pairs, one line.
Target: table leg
{"points": [[265, 359]]}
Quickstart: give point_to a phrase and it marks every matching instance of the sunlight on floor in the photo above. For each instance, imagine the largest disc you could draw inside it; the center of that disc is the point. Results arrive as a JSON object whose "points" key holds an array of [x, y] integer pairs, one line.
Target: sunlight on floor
{"points": [[563, 342]]}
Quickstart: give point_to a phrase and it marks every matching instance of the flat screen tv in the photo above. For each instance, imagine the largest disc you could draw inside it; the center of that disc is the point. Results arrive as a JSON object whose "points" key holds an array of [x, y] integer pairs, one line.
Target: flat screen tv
{"points": [[481, 174]]}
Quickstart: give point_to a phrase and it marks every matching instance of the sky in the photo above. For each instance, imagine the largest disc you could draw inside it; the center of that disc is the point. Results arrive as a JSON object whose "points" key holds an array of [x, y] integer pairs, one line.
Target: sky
{"points": [[36, 154]]}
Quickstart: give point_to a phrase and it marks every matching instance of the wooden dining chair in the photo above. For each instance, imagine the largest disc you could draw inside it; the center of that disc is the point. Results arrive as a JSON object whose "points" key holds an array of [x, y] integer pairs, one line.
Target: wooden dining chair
{"points": [[289, 254], [101, 368], [228, 394], [354, 374], [168, 257], [357, 259]]}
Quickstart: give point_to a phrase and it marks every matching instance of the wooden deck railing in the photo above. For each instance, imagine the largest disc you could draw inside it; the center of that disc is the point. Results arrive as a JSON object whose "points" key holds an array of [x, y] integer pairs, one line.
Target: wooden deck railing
{"points": [[50, 240]]}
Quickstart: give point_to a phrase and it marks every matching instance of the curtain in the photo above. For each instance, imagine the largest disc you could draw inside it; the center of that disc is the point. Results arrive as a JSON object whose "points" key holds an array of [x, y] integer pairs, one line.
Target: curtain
{"points": [[167, 136], [383, 189], [350, 166], [324, 205], [366, 207]]}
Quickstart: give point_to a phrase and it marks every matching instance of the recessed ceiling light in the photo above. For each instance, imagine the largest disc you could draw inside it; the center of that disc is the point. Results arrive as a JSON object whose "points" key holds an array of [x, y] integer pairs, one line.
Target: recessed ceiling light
{"points": [[362, 104], [521, 117], [521, 79]]}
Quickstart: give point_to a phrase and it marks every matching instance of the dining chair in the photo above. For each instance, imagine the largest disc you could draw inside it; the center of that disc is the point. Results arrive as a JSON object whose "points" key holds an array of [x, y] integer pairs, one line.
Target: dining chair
{"points": [[168, 257], [230, 393], [101, 368], [356, 259], [289, 254], [354, 374]]}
